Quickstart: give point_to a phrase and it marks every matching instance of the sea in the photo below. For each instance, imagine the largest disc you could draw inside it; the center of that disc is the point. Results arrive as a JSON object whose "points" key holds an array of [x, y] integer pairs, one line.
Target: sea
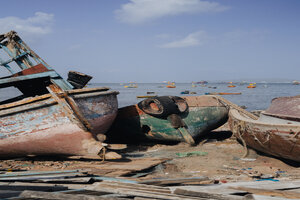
{"points": [[258, 98]]}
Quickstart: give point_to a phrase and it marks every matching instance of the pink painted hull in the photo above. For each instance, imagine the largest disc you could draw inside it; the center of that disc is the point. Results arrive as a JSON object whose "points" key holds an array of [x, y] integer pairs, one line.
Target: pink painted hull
{"points": [[45, 126]]}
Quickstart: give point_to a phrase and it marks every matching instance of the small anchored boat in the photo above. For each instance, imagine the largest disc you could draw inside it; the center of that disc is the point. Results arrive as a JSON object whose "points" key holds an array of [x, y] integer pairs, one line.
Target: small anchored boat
{"points": [[169, 118], [171, 85], [131, 85]]}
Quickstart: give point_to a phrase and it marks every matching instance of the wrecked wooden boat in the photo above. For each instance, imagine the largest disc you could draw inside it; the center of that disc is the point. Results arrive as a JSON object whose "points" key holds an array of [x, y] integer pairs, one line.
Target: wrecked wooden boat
{"points": [[169, 118], [273, 133], [51, 116]]}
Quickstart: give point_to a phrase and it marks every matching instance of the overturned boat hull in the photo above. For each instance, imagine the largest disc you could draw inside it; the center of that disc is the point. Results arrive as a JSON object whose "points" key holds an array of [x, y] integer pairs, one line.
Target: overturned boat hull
{"points": [[267, 134], [204, 113], [64, 123]]}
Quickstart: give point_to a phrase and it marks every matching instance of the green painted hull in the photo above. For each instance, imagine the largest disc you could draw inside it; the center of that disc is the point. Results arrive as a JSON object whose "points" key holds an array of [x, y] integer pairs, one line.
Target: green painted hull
{"points": [[199, 121], [132, 124]]}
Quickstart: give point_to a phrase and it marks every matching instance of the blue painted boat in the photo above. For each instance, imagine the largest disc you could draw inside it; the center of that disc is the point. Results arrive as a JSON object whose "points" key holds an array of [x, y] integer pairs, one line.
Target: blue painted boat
{"points": [[52, 115]]}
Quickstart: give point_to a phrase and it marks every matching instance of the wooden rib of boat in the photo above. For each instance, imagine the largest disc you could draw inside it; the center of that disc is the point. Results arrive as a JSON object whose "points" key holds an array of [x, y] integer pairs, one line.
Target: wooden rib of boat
{"points": [[51, 116], [271, 135], [147, 120]]}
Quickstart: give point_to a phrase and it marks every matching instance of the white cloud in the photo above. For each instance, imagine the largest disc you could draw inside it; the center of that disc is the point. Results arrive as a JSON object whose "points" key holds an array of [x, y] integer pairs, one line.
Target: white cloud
{"points": [[39, 24], [193, 39], [139, 11]]}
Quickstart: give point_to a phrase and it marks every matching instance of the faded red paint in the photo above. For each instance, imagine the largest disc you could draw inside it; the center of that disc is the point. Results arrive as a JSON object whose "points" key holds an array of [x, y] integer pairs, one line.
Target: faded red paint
{"points": [[43, 126], [32, 70]]}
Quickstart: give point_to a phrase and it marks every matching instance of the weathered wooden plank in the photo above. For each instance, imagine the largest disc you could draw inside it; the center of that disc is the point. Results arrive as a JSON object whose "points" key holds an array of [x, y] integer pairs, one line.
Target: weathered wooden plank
{"points": [[261, 197], [207, 195], [135, 186], [137, 192], [268, 192], [173, 181], [62, 196], [224, 188]]}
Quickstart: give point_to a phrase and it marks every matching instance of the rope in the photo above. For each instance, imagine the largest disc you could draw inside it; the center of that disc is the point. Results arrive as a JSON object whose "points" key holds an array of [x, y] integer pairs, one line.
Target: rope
{"points": [[240, 125], [232, 105]]}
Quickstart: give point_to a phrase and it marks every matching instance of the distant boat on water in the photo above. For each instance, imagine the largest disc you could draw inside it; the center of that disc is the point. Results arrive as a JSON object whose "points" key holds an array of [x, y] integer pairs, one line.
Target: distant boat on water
{"points": [[171, 85], [252, 85], [296, 83], [202, 82], [231, 85], [131, 85]]}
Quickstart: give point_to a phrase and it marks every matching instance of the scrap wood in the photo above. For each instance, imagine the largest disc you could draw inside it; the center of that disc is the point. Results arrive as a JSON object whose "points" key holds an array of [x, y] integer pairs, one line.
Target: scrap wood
{"points": [[262, 197], [268, 192], [34, 175], [66, 180], [130, 165], [62, 196], [206, 195], [135, 186], [227, 189], [174, 181], [138, 191]]}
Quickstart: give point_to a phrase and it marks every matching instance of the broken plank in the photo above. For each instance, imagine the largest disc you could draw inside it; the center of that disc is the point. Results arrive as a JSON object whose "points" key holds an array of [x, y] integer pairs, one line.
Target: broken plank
{"points": [[62, 196], [174, 181], [137, 192], [261, 197], [135, 186], [206, 195], [224, 188], [268, 192], [130, 165]]}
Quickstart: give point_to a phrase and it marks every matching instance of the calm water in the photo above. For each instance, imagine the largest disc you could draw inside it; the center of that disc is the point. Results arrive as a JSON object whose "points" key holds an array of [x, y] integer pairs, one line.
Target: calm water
{"points": [[258, 98]]}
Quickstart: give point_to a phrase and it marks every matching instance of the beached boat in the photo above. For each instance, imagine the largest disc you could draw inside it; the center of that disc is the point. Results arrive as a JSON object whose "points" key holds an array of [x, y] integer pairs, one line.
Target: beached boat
{"points": [[51, 116], [271, 133], [169, 118]]}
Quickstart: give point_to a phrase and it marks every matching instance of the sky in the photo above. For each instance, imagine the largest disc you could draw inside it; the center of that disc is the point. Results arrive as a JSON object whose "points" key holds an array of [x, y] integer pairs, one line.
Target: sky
{"points": [[161, 40]]}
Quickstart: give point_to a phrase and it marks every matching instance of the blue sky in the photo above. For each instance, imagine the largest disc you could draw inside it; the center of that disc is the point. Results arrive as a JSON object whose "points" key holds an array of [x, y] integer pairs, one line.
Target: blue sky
{"points": [[159, 40]]}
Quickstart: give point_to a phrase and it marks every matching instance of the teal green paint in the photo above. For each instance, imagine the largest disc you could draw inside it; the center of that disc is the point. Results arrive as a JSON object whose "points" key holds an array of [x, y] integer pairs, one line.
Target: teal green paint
{"points": [[198, 120]]}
